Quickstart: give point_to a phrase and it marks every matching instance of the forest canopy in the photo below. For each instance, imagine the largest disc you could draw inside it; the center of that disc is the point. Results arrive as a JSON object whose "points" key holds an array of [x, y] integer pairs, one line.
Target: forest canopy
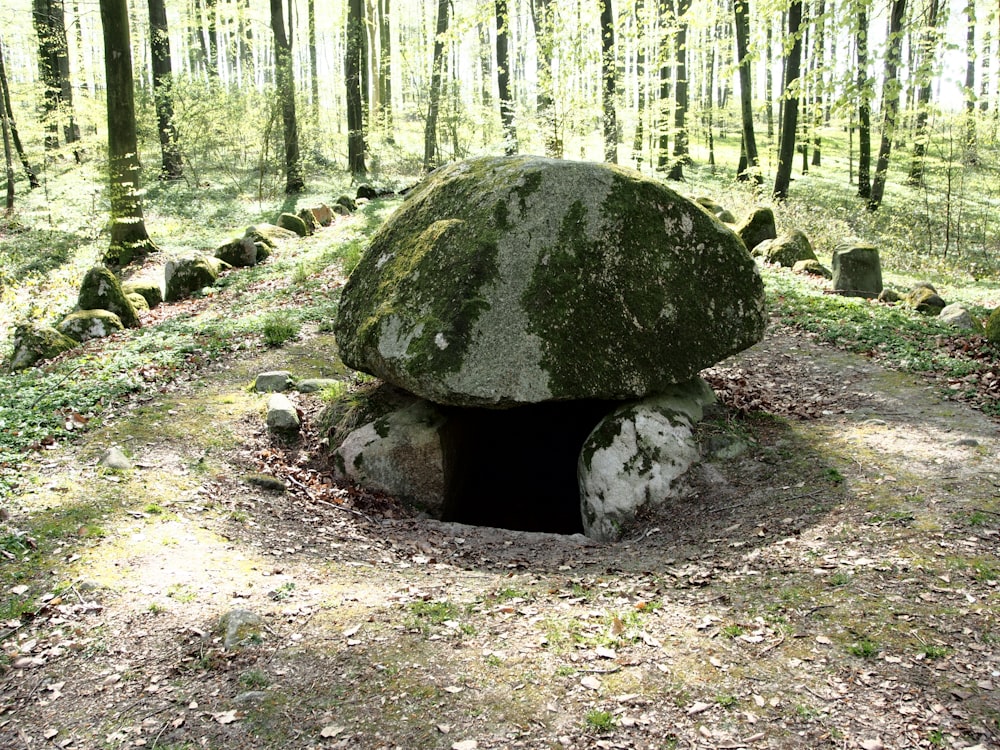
{"points": [[903, 92]]}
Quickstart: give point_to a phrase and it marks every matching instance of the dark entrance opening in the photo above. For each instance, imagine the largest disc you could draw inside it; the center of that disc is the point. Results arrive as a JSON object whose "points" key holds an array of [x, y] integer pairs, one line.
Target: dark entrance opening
{"points": [[517, 468]]}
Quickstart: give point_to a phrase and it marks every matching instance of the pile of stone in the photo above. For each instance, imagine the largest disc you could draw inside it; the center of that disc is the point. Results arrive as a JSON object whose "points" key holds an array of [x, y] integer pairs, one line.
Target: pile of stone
{"points": [[540, 325], [105, 305]]}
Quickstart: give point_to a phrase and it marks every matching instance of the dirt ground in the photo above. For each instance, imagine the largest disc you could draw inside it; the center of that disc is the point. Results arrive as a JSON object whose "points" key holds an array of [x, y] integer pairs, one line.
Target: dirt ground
{"points": [[836, 584]]}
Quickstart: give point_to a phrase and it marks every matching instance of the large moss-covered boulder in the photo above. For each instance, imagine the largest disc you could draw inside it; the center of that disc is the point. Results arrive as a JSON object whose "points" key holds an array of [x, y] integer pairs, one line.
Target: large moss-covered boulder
{"points": [[101, 290], [993, 326], [84, 325], [185, 276], [787, 249], [924, 299], [857, 270], [293, 223], [239, 253], [150, 289], [757, 227], [514, 280], [639, 455], [269, 234], [34, 342]]}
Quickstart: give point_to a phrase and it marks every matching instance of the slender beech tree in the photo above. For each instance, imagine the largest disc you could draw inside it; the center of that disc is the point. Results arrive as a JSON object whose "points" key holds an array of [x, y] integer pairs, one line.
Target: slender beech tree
{"points": [[159, 47], [503, 78], [864, 106], [8, 112], [608, 76], [8, 157], [437, 69], [790, 111], [741, 12], [640, 74], [541, 18], [970, 82], [284, 78], [928, 50], [769, 83], [313, 64], [818, 69], [352, 80], [680, 153], [53, 64], [128, 229], [665, 16], [890, 101], [385, 68]]}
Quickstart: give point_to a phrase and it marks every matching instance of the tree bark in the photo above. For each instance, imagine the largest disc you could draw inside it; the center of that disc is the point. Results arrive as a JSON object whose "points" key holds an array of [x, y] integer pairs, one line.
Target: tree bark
{"points": [[790, 116], [665, 12], [352, 80], [928, 49], [8, 111], [159, 42], [8, 161], [769, 84], [128, 229], [741, 12], [53, 65], [285, 91], [503, 79], [864, 110], [680, 152], [970, 82], [385, 68], [640, 73], [437, 65], [890, 105], [541, 18], [313, 63], [608, 76], [818, 65]]}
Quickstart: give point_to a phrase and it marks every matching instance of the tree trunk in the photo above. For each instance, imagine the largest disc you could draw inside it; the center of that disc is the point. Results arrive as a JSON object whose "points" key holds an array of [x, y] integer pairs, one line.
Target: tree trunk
{"points": [[710, 99], [212, 33], [769, 84], [385, 69], [970, 83], [503, 79], [680, 95], [284, 79], [128, 230], [928, 50], [608, 76], [741, 11], [53, 66], [819, 64], [666, 10], [8, 111], [864, 110], [640, 74], [541, 17], [352, 80], [313, 63], [9, 161], [790, 116], [890, 105], [159, 43], [437, 64]]}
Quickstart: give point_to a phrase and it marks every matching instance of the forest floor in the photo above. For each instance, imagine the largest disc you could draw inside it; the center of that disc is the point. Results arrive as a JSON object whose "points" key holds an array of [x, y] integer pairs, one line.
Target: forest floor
{"points": [[837, 584]]}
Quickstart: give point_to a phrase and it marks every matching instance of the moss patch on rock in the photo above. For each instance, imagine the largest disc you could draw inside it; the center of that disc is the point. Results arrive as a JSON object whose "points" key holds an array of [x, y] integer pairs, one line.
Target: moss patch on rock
{"points": [[520, 279], [101, 290], [34, 342]]}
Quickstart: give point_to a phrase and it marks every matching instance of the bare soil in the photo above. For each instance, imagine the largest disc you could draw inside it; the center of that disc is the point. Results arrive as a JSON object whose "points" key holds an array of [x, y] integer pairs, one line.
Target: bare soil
{"points": [[835, 584]]}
